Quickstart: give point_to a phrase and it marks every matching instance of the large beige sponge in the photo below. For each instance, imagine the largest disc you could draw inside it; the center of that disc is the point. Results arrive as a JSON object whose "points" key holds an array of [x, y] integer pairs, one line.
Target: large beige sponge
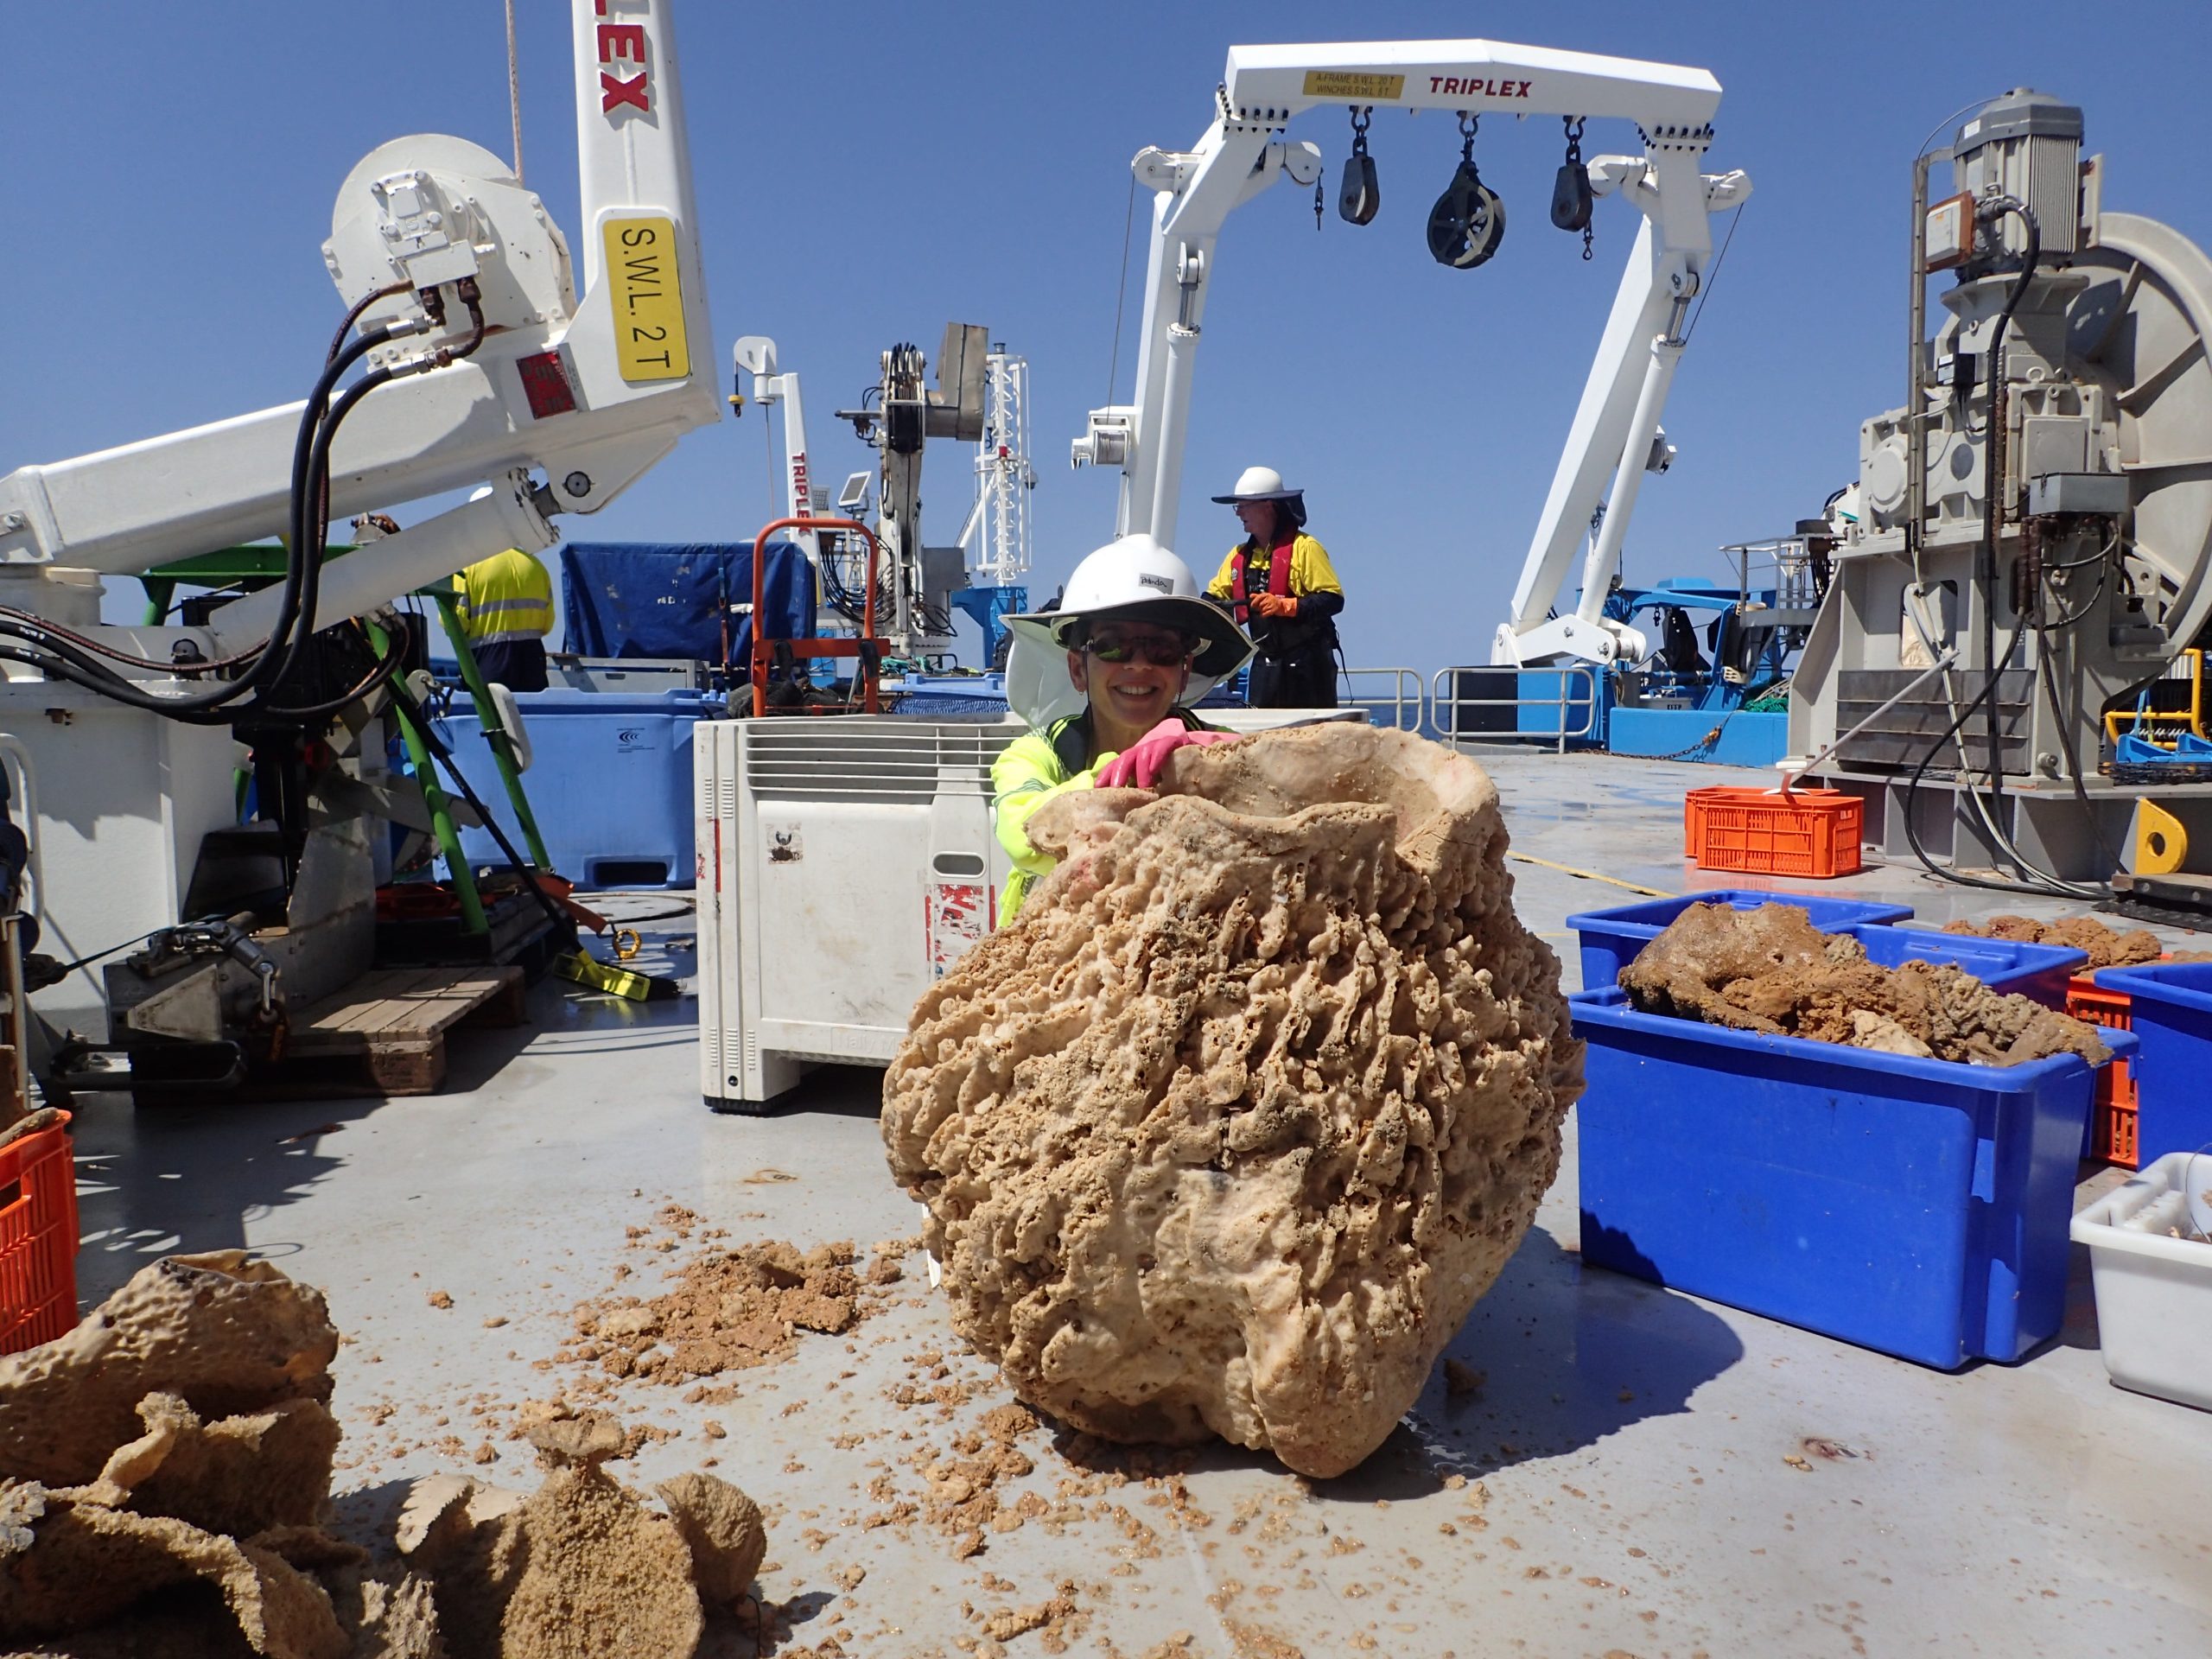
{"points": [[1227, 1132]]}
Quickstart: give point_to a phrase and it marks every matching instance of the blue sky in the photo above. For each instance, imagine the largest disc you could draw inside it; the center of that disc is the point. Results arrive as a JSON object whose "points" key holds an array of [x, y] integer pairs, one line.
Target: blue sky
{"points": [[866, 172]]}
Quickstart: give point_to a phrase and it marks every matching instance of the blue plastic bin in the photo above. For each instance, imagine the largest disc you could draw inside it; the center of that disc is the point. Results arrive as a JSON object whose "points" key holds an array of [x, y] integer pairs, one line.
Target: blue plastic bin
{"points": [[2035, 970], [1611, 937], [609, 783], [1916, 1207], [2172, 1020]]}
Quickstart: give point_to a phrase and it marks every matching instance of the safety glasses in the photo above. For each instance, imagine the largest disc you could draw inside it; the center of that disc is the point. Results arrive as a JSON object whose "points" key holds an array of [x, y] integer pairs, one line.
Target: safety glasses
{"points": [[1170, 650]]}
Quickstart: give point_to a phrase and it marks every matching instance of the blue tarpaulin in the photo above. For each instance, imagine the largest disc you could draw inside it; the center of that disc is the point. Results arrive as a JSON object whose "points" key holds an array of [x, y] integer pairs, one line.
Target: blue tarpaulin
{"points": [[668, 598]]}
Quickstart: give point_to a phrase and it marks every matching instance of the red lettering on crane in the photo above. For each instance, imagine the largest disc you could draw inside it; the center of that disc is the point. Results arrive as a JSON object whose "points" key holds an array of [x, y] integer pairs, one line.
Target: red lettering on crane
{"points": [[623, 44], [1468, 86], [614, 93]]}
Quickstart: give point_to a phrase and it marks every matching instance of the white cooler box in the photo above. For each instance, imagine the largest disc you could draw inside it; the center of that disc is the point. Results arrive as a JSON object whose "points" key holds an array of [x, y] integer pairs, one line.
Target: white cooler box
{"points": [[844, 863]]}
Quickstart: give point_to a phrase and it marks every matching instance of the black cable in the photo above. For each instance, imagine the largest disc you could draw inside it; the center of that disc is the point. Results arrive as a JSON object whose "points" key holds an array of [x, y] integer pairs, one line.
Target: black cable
{"points": [[2048, 676], [58, 646], [1993, 509], [562, 921], [2037, 881], [314, 529], [386, 666], [354, 314], [2088, 605], [1920, 771], [315, 526], [72, 967]]}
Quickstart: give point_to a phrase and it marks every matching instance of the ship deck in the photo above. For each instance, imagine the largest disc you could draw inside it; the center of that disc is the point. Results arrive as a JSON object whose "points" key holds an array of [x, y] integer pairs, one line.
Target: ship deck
{"points": [[1640, 1472]]}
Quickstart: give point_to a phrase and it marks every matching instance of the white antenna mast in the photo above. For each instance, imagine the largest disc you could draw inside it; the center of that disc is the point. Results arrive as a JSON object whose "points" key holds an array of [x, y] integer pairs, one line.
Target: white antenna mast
{"points": [[1004, 476]]}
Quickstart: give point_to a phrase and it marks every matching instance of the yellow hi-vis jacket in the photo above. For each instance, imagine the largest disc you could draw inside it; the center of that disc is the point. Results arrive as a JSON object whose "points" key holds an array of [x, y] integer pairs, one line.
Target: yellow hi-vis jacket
{"points": [[505, 598], [1034, 768]]}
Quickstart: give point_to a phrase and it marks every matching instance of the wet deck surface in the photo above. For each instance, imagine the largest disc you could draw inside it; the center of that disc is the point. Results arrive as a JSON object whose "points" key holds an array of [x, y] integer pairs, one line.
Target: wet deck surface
{"points": [[1639, 1472]]}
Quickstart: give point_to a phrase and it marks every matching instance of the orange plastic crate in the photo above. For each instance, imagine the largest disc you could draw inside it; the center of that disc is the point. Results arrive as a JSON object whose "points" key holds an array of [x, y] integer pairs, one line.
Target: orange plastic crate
{"points": [[38, 1239], [1809, 832], [2111, 1115]]}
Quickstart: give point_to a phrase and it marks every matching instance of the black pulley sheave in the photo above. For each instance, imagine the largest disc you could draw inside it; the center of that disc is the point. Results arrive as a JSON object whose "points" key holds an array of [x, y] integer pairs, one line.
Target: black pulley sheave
{"points": [[1359, 196], [1572, 198], [1468, 221]]}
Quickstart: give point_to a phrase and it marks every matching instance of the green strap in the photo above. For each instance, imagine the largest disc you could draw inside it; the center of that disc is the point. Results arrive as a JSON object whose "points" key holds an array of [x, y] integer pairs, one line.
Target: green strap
{"points": [[488, 719]]}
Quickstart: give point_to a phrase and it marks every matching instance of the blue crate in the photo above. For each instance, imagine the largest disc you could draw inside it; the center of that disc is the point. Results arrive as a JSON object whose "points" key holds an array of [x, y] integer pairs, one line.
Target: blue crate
{"points": [[1916, 1207], [2171, 1013], [609, 783], [1611, 937], [2011, 965]]}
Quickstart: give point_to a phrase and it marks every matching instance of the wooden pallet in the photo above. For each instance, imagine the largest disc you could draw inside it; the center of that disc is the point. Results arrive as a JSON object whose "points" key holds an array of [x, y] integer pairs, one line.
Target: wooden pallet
{"points": [[386, 1032]]}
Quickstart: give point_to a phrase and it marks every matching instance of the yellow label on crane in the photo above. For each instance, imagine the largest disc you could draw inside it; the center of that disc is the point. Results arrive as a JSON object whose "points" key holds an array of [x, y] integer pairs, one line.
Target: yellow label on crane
{"points": [[1362, 89], [647, 295]]}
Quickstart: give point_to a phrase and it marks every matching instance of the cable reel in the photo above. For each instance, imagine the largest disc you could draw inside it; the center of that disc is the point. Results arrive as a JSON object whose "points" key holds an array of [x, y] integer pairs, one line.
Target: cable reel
{"points": [[1359, 196], [1572, 197], [1468, 221]]}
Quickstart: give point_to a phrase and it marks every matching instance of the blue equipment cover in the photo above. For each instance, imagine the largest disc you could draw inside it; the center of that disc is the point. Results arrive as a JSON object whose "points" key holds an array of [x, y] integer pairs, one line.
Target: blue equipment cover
{"points": [[668, 598]]}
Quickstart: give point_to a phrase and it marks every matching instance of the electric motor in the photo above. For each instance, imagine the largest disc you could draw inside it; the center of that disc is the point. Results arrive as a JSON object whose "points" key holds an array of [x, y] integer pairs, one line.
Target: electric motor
{"points": [[2026, 145]]}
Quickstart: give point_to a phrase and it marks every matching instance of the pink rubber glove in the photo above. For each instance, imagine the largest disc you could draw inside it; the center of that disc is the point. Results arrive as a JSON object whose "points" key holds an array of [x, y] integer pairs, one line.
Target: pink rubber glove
{"points": [[1140, 764]]}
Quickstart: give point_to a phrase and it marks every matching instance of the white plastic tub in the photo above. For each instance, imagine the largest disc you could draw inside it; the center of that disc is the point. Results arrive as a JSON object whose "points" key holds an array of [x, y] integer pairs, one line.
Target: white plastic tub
{"points": [[2154, 1289]]}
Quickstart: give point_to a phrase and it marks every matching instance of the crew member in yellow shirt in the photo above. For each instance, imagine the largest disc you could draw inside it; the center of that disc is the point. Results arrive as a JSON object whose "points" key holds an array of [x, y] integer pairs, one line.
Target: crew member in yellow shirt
{"points": [[1279, 586], [507, 611]]}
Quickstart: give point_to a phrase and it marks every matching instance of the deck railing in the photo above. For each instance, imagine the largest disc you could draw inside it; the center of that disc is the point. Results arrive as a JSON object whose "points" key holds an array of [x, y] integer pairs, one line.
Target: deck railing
{"points": [[1400, 707], [1446, 702]]}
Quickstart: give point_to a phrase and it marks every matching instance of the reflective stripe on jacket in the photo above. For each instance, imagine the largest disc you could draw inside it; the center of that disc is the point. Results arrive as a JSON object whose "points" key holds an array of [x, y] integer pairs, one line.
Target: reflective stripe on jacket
{"points": [[505, 598], [1032, 770]]}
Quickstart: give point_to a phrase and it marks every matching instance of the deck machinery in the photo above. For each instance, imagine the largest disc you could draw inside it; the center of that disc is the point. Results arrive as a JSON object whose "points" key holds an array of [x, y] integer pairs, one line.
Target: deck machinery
{"points": [[489, 369], [2032, 543]]}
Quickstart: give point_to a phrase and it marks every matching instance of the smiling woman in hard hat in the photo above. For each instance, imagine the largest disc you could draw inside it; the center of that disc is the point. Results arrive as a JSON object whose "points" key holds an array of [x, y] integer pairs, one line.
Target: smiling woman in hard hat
{"points": [[1279, 585], [1105, 683]]}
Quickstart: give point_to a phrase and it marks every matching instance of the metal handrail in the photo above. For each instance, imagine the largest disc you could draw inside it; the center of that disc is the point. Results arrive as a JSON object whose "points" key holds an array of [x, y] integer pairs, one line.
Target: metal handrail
{"points": [[864, 648], [2190, 718], [1397, 700], [1447, 731]]}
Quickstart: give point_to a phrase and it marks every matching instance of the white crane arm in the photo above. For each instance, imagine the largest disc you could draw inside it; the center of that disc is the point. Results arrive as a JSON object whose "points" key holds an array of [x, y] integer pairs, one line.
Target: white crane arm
{"points": [[586, 393]]}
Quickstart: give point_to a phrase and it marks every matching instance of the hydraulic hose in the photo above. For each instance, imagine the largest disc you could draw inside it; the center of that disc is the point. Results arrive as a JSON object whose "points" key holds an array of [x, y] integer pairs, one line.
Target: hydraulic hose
{"points": [[562, 921], [1992, 510], [311, 525]]}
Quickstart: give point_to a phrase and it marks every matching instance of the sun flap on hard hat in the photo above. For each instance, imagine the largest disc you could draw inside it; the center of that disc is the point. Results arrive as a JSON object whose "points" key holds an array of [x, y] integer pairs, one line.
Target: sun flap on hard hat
{"points": [[1134, 578]]}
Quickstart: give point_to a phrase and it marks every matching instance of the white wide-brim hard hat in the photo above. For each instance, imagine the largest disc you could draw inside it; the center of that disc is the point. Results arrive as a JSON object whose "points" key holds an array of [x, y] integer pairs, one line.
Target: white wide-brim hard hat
{"points": [[1259, 484], [1136, 580]]}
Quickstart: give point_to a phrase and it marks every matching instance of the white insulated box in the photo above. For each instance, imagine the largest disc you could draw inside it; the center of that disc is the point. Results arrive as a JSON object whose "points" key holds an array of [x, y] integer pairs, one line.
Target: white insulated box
{"points": [[844, 864]]}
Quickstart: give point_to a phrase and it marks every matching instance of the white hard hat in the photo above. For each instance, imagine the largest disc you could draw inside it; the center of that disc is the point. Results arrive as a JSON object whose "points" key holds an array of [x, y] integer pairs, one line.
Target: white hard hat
{"points": [[1134, 577], [1259, 484]]}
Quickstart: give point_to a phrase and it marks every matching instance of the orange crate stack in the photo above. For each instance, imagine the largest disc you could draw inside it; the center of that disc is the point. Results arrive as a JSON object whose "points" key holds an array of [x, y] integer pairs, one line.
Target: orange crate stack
{"points": [[2113, 1119], [1811, 832], [38, 1238]]}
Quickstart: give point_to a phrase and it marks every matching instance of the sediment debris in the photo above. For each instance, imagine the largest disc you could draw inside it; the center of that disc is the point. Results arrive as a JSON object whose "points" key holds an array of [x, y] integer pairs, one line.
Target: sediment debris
{"points": [[2108, 947], [165, 1470]]}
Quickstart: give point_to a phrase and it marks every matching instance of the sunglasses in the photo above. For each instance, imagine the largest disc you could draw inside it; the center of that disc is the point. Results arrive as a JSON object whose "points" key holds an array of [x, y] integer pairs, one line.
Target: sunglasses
{"points": [[1172, 652]]}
